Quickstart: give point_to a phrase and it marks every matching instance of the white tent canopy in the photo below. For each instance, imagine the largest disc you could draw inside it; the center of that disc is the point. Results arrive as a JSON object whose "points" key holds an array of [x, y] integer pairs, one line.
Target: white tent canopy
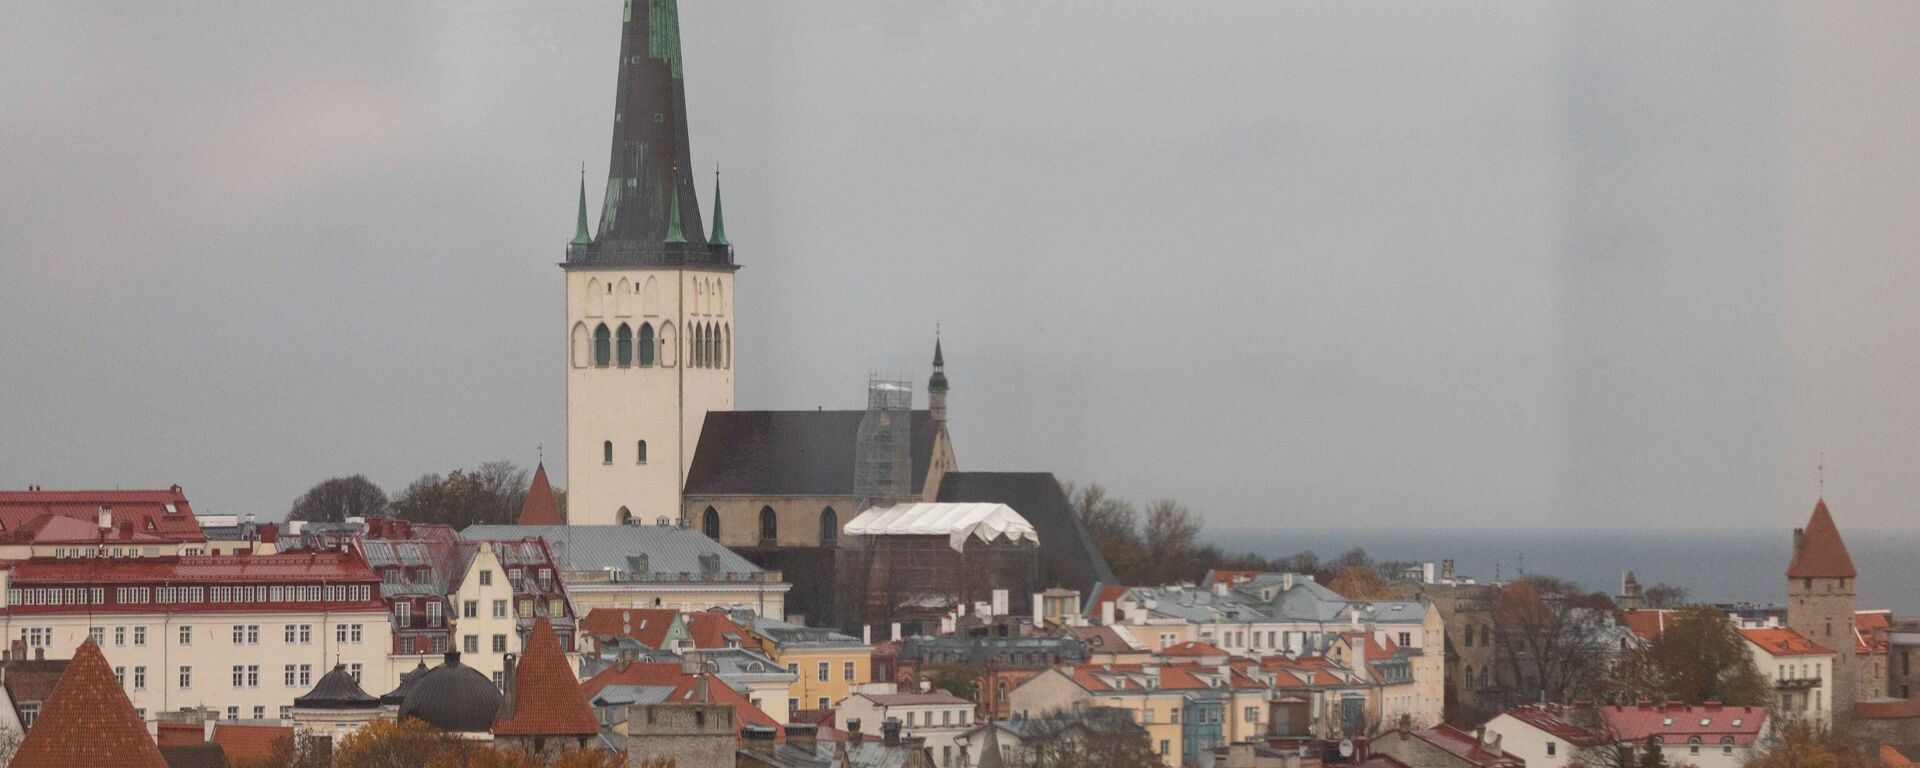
{"points": [[954, 521]]}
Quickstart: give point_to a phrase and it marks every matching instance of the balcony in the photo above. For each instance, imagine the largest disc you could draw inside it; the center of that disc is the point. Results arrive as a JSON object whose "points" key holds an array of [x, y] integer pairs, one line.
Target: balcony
{"points": [[1797, 683]]}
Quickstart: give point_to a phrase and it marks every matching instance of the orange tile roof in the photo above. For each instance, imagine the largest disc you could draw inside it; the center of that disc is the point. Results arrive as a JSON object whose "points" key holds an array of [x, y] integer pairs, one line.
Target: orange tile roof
{"points": [[88, 721], [250, 743], [1648, 623], [1886, 709], [1870, 631], [546, 696], [1193, 648], [1782, 641], [539, 507], [1822, 555]]}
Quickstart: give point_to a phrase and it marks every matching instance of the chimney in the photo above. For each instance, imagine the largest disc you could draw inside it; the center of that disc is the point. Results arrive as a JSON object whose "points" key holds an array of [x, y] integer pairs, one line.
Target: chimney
{"points": [[758, 738], [853, 731], [1039, 610], [1446, 571], [866, 634], [1491, 743], [507, 679], [896, 631], [1286, 581], [269, 533], [1220, 588], [890, 732], [106, 523], [1106, 613], [803, 737]]}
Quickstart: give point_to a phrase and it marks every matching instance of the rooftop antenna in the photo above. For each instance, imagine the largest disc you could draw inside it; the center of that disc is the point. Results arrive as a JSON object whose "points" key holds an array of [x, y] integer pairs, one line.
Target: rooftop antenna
{"points": [[1823, 474], [541, 450]]}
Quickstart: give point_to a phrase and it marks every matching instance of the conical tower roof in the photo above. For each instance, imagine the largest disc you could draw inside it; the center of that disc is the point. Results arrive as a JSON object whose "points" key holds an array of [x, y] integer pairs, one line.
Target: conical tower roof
{"points": [[546, 696], [651, 161], [88, 720], [1821, 554], [539, 508]]}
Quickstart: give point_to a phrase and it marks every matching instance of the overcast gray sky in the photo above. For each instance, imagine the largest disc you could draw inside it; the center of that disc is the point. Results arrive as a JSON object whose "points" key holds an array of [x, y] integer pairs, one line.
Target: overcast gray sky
{"points": [[1337, 264]]}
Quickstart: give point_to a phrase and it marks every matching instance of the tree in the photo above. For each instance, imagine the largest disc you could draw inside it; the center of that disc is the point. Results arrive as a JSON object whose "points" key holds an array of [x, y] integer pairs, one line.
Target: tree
{"points": [[1799, 744], [1359, 582], [1096, 739], [1651, 756], [956, 678], [1664, 596], [338, 498], [387, 744], [1111, 523], [591, 758], [1547, 636], [1702, 657], [1171, 530], [491, 494]]}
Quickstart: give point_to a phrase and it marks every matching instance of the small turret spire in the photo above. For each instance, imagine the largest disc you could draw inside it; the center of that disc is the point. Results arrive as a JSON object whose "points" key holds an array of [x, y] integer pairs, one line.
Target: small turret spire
{"points": [[937, 384], [719, 222], [580, 234], [674, 233]]}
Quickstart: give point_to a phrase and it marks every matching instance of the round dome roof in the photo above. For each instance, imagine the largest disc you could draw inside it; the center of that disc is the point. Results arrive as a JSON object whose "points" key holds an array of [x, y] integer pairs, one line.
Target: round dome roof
{"points": [[453, 697]]}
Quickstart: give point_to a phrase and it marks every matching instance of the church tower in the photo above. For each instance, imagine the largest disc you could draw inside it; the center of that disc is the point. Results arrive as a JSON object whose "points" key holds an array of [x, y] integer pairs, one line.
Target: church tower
{"points": [[649, 297], [1820, 604]]}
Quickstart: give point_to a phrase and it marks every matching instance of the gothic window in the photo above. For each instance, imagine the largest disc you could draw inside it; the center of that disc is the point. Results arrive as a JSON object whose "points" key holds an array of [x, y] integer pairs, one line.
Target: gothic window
{"points": [[606, 452], [623, 346], [713, 345], [643, 452], [593, 298], [710, 524], [602, 346], [697, 350], [650, 297], [829, 527], [769, 526], [720, 298], [623, 298], [582, 347], [726, 346], [646, 346], [625, 516], [669, 353], [699, 293], [1469, 677]]}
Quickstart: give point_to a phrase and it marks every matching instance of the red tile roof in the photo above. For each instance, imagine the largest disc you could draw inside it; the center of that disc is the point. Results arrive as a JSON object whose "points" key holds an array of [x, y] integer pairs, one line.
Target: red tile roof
{"points": [[88, 721], [142, 511], [546, 696], [1821, 555], [1782, 641], [1193, 648], [250, 743], [647, 625], [709, 629], [1870, 631], [1463, 745], [1100, 639], [1648, 623], [1886, 709], [303, 569], [539, 507], [1676, 723], [686, 689], [1555, 720]]}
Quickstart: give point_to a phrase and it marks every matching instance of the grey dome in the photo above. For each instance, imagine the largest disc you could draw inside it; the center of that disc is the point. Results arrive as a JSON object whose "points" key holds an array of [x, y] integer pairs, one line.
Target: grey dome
{"points": [[453, 697], [408, 680], [337, 690]]}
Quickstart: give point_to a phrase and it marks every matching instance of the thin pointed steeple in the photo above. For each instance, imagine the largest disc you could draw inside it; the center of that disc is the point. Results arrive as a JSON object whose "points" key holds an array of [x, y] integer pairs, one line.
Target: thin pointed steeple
{"points": [[719, 236], [580, 234], [651, 159], [674, 233], [937, 384]]}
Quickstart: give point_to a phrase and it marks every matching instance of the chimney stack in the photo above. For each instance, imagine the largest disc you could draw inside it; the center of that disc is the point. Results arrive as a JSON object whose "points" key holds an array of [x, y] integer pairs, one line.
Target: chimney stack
{"points": [[106, 522], [758, 738], [1039, 610], [803, 737], [1446, 571], [896, 631], [1106, 613], [853, 731], [506, 677], [890, 732]]}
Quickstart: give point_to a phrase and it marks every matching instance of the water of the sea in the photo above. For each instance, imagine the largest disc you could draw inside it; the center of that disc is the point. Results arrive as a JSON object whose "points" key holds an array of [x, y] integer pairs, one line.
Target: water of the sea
{"points": [[1714, 565]]}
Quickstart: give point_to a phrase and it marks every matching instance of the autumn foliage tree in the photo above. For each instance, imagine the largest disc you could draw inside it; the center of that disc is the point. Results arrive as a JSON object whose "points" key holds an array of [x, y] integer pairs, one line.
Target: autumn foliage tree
{"points": [[1548, 638], [490, 494], [1799, 744], [1702, 657], [1361, 582]]}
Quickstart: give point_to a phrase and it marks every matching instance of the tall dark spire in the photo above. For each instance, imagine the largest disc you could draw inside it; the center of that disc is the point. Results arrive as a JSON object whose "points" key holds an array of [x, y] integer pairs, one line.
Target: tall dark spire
{"points": [[938, 382]]}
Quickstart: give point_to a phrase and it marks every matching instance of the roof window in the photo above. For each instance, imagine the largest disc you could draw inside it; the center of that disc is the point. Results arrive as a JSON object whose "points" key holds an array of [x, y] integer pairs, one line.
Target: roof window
{"points": [[1666, 722]]}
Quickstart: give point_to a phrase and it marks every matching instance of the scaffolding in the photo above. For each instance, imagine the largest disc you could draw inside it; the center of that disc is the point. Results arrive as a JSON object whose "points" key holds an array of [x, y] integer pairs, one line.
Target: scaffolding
{"points": [[883, 453]]}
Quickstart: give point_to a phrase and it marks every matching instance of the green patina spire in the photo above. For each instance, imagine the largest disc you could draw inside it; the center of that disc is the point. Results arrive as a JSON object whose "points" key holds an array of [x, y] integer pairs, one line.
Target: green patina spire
{"points": [[719, 222], [674, 233], [580, 234]]}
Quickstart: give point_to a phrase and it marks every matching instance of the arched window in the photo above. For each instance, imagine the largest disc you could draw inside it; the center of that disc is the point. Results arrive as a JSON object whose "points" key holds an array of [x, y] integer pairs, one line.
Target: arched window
{"points": [[625, 516], [594, 298], [1469, 676], [710, 524], [726, 346], [769, 526], [829, 527], [713, 345], [720, 298], [602, 346], [643, 452], [623, 298], [606, 452], [623, 346], [650, 298], [646, 345], [699, 349], [582, 346], [1693, 745], [669, 352]]}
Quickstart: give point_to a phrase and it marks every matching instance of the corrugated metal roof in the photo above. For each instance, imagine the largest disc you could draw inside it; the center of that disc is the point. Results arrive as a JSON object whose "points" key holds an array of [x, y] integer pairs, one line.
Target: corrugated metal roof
{"points": [[669, 549]]}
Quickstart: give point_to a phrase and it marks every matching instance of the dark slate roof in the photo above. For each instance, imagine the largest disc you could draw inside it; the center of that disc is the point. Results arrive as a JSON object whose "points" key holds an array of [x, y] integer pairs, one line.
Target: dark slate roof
{"points": [[790, 453], [337, 690], [204, 755], [408, 680], [1068, 556], [453, 697]]}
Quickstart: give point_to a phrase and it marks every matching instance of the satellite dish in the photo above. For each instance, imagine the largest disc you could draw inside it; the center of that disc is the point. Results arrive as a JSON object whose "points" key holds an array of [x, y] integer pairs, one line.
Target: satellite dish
{"points": [[1346, 747]]}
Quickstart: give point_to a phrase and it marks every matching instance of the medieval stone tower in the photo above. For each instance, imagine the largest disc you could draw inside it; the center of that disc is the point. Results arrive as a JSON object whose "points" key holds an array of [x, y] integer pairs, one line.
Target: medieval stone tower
{"points": [[649, 297], [1820, 604]]}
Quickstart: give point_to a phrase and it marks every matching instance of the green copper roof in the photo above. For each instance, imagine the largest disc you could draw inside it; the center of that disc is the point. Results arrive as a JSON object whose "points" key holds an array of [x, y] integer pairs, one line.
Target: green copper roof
{"points": [[674, 233], [580, 234], [719, 222], [663, 34]]}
